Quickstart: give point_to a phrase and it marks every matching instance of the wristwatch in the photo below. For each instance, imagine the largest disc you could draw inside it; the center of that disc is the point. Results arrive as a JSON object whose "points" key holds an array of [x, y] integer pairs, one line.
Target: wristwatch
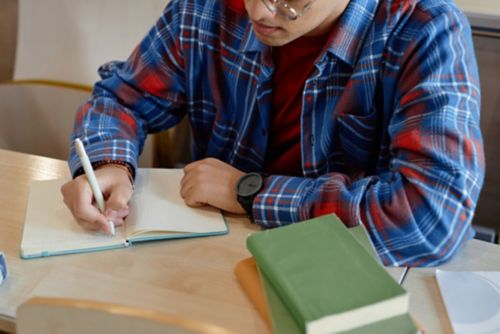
{"points": [[247, 188]]}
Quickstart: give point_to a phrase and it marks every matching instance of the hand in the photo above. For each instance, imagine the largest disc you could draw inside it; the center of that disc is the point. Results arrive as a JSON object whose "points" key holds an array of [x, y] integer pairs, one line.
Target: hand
{"points": [[211, 182], [117, 190]]}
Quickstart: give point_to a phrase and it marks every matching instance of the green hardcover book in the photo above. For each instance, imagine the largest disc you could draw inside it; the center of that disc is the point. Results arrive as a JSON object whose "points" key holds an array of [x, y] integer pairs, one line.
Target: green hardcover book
{"points": [[283, 322], [318, 274]]}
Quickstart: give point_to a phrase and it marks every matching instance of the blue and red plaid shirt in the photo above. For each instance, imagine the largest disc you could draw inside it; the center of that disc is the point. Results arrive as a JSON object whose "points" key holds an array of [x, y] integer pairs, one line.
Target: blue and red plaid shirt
{"points": [[389, 123]]}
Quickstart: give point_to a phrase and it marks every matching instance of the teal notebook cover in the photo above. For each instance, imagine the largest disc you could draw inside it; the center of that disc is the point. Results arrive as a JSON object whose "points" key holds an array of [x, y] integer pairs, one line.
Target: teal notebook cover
{"points": [[157, 212], [291, 261]]}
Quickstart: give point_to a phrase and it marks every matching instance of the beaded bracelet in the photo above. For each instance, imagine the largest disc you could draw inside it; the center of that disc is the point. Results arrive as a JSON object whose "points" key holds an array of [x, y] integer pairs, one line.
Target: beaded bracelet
{"points": [[97, 164]]}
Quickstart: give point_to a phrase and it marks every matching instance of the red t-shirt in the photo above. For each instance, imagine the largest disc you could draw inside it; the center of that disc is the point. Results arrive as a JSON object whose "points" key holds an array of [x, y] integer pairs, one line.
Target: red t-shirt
{"points": [[294, 63]]}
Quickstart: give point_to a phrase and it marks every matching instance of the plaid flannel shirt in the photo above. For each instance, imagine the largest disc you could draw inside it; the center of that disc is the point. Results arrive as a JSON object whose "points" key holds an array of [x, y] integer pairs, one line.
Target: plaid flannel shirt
{"points": [[389, 124]]}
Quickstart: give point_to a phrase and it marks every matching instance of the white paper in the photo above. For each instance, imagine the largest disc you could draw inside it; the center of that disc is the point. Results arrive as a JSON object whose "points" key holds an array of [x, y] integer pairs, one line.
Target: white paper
{"points": [[158, 206], [472, 300]]}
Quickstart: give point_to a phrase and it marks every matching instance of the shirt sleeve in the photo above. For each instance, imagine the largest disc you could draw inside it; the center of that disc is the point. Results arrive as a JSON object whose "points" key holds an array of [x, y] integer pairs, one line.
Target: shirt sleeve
{"points": [[141, 95], [418, 211]]}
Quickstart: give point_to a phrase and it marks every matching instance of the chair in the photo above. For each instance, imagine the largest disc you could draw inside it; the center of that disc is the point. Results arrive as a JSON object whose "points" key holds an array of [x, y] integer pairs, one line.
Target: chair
{"points": [[38, 119], [59, 47], [47, 315]]}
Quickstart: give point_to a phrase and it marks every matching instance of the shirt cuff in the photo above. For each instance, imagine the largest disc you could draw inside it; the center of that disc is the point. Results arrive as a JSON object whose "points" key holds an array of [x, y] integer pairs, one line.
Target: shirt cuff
{"points": [[280, 200], [118, 150]]}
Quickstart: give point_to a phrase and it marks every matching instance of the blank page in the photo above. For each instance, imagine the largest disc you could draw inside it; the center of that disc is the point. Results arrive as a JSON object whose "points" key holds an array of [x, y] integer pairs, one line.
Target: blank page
{"points": [[158, 206]]}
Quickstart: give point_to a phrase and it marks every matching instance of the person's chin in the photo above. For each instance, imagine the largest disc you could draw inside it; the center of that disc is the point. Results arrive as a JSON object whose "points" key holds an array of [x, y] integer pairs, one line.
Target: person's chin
{"points": [[270, 35], [272, 40]]}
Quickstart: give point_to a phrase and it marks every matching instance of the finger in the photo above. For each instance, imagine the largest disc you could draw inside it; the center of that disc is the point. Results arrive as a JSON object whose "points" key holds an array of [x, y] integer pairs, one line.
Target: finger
{"points": [[118, 198], [117, 203], [185, 185], [200, 166], [194, 204], [183, 181], [101, 226], [188, 181], [90, 226], [192, 197], [87, 214], [189, 167], [78, 197], [92, 219], [191, 184]]}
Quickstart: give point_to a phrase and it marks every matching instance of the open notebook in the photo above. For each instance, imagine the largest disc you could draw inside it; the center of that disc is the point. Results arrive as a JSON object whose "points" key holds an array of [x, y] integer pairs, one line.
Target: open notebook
{"points": [[156, 212]]}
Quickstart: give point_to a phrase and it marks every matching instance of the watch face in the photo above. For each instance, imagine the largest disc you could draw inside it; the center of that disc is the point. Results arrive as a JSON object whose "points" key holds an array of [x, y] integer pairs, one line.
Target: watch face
{"points": [[249, 184]]}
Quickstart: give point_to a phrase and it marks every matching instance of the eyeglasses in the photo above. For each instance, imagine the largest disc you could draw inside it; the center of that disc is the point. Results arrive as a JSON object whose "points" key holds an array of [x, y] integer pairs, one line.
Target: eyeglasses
{"points": [[283, 8]]}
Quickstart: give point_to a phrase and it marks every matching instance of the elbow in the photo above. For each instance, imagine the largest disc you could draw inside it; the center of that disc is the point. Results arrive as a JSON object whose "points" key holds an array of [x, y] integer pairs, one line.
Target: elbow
{"points": [[437, 233]]}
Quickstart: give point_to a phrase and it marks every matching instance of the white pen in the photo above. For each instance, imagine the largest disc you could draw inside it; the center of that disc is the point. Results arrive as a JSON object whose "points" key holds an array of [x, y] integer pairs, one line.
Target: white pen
{"points": [[89, 172]]}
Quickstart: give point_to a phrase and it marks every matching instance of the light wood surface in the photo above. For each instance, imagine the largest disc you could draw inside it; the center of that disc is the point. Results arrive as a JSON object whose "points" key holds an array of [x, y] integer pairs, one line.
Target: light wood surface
{"points": [[43, 315], [192, 278], [426, 304]]}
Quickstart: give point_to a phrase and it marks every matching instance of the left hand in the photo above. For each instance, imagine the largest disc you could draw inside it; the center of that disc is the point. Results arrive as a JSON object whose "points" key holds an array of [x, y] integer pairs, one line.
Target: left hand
{"points": [[211, 182]]}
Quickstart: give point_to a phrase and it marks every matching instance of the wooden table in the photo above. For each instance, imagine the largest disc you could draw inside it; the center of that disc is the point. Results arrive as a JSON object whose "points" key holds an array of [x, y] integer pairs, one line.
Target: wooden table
{"points": [[193, 277], [190, 277]]}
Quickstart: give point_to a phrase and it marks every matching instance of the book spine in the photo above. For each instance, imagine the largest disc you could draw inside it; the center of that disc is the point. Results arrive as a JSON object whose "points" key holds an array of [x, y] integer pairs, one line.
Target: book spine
{"points": [[277, 283]]}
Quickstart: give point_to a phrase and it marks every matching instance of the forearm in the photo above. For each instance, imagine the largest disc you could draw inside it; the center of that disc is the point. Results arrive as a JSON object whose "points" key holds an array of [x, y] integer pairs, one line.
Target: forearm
{"points": [[410, 222], [143, 95], [109, 132]]}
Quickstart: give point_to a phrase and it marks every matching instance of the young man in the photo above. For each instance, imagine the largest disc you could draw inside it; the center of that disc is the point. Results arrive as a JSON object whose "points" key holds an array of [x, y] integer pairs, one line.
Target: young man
{"points": [[365, 108]]}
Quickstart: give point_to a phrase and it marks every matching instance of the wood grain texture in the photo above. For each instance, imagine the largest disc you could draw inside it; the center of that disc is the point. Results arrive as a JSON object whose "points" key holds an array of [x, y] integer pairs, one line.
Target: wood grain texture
{"points": [[191, 278], [42, 315]]}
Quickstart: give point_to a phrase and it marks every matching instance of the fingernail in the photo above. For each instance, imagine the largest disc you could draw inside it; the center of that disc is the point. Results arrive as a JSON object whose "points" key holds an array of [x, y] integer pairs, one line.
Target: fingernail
{"points": [[116, 214]]}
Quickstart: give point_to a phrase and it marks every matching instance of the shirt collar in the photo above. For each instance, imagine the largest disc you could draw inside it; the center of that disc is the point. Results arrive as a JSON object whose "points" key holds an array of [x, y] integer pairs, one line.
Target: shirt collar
{"points": [[350, 31], [347, 34], [250, 43]]}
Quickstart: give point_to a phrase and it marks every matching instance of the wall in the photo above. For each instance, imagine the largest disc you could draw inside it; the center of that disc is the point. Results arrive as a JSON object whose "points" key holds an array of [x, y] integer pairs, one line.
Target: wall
{"points": [[8, 24], [488, 57]]}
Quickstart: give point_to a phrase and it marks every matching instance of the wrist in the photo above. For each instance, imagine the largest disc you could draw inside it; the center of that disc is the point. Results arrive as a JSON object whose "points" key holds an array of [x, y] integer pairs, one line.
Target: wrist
{"points": [[125, 166], [247, 188]]}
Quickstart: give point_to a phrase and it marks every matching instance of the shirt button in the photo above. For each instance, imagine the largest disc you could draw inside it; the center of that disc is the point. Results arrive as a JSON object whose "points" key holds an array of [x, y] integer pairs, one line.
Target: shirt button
{"points": [[312, 140]]}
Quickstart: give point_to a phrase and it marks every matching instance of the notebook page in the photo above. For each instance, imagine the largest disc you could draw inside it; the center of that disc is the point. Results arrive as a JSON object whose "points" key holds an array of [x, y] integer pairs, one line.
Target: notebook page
{"points": [[158, 206], [50, 226]]}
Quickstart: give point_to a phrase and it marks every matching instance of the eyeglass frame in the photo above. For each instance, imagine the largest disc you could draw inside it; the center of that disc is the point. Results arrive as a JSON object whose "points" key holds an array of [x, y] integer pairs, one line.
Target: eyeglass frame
{"points": [[282, 8]]}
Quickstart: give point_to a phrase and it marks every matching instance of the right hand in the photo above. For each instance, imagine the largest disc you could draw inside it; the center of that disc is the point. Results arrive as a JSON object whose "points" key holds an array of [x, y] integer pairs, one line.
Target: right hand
{"points": [[117, 190]]}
